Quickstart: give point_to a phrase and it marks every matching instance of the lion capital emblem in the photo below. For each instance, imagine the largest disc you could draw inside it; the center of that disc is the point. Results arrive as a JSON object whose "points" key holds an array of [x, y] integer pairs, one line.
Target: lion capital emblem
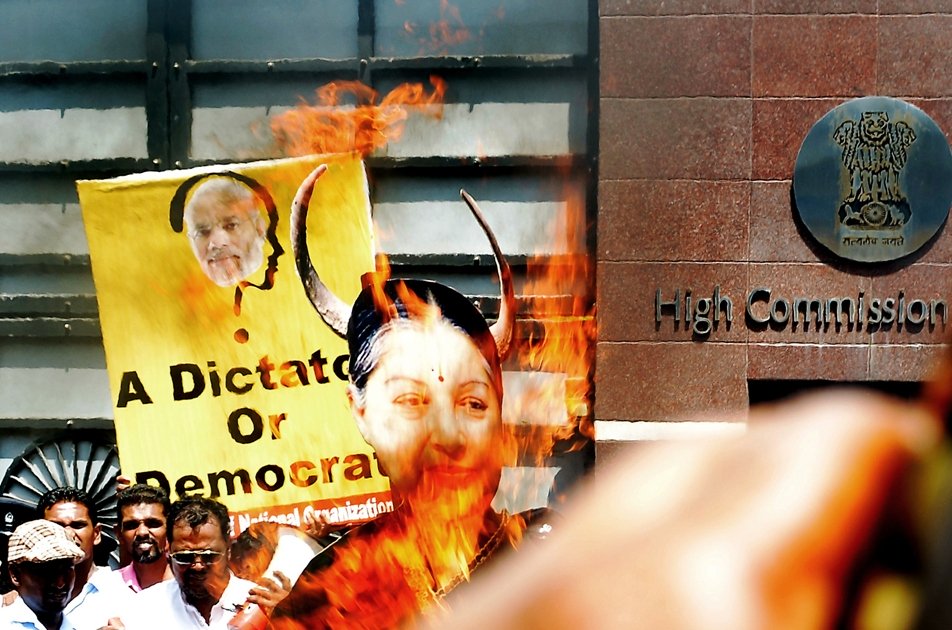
{"points": [[874, 154]]}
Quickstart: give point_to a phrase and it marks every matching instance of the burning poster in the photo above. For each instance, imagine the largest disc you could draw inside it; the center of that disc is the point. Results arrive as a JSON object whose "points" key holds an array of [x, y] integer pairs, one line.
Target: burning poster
{"points": [[224, 383]]}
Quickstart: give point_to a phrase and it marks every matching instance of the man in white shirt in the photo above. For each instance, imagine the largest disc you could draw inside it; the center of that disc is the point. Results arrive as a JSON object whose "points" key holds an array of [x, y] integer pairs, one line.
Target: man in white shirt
{"points": [[205, 593], [42, 559], [98, 594]]}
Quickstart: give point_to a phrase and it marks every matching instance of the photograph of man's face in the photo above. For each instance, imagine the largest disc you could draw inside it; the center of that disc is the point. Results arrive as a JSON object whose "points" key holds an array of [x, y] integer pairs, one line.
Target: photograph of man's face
{"points": [[226, 231]]}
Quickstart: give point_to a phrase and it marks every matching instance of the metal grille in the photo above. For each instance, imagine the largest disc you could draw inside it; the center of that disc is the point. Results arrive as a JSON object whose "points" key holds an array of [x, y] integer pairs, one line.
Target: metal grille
{"points": [[48, 312]]}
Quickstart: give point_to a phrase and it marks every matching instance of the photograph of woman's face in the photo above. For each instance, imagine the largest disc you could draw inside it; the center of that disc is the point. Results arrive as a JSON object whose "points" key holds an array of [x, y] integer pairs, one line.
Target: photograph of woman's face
{"points": [[431, 412]]}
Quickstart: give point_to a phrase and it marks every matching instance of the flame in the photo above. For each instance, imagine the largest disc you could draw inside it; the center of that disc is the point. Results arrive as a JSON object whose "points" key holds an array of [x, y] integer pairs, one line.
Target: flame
{"points": [[387, 571], [332, 126], [383, 574], [561, 339], [442, 34], [252, 550], [382, 577], [400, 565]]}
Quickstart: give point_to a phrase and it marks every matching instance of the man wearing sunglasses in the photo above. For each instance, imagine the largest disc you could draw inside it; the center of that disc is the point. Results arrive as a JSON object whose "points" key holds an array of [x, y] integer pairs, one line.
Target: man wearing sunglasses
{"points": [[204, 593]]}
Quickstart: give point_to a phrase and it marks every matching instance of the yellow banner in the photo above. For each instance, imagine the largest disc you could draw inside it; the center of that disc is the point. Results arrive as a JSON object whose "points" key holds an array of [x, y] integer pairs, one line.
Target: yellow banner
{"points": [[225, 381]]}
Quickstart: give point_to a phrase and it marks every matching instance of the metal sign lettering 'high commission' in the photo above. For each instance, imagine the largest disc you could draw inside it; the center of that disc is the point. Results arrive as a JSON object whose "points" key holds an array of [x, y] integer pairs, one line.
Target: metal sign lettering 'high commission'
{"points": [[873, 179]]}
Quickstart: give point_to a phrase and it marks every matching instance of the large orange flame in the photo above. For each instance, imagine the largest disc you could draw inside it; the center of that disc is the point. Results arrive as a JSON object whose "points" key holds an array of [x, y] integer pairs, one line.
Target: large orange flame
{"points": [[389, 571], [386, 572], [560, 338], [439, 36], [332, 126]]}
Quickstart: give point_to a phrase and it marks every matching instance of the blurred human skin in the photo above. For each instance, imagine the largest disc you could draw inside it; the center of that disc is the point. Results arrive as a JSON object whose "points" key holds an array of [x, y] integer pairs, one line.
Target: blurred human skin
{"points": [[749, 532]]}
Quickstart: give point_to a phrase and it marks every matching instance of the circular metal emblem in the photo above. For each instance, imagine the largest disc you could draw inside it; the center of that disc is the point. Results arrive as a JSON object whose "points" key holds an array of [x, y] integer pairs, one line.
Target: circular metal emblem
{"points": [[873, 179]]}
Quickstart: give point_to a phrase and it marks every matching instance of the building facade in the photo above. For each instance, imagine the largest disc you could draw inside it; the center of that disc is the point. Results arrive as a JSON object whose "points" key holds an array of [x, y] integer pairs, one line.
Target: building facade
{"points": [[704, 107]]}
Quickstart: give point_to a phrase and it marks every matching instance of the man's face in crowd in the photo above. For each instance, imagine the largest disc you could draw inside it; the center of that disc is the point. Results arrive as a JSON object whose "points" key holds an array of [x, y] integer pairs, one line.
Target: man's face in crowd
{"points": [[75, 518], [226, 233], [432, 414], [201, 576], [142, 532], [45, 587]]}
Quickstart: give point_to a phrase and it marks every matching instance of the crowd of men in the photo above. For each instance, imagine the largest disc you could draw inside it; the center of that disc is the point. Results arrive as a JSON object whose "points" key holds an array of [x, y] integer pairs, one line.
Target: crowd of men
{"points": [[178, 572]]}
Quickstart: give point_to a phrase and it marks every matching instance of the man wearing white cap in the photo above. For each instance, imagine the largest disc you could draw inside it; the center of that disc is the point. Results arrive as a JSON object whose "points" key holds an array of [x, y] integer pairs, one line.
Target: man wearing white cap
{"points": [[42, 559]]}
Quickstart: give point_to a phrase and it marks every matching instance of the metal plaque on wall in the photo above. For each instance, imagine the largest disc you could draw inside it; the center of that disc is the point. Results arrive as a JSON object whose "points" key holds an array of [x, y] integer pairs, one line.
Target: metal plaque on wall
{"points": [[873, 179]]}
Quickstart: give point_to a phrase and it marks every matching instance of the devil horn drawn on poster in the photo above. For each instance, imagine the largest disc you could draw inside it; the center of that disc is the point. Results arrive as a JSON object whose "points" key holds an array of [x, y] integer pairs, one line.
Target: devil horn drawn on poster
{"points": [[226, 231], [336, 313], [331, 308]]}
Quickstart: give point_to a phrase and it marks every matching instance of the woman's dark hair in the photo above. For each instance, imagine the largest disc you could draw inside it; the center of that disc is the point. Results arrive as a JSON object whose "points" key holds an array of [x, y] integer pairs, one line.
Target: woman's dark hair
{"points": [[403, 300]]}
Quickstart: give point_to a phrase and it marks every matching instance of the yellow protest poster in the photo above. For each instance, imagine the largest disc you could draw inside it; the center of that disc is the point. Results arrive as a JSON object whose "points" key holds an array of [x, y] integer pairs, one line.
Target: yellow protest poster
{"points": [[225, 382]]}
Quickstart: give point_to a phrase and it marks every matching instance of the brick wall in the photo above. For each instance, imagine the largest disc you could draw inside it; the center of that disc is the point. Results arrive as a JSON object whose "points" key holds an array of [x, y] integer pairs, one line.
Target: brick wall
{"points": [[703, 108]]}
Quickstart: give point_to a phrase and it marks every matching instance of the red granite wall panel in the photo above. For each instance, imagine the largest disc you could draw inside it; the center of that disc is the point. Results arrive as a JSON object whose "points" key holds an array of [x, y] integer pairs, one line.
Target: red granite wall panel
{"points": [[775, 233], [703, 110], [822, 7], [813, 55], [697, 138], [671, 381], [903, 362], [671, 65], [673, 7], [887, 7], [822, 362], [673, 220], [778, 129], [914, 56]]}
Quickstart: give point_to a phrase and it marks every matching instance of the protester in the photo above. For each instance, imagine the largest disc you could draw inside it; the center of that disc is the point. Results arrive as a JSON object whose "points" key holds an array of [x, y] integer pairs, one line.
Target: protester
{"points": [[204, 592], [426, 393], [98, 593], [225, 230], [143, 512], [42, 559]]}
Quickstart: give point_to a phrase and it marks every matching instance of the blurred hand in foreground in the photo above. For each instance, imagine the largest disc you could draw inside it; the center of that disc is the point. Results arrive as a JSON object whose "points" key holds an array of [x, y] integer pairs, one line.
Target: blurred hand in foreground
{"points": [[749, 532]]}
